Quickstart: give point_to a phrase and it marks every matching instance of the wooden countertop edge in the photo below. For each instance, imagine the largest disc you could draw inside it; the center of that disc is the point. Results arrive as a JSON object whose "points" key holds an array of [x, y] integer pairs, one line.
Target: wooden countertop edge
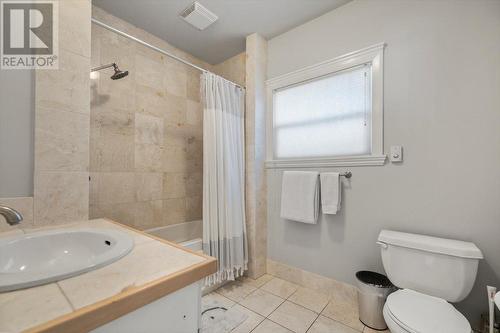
{"points": [[130, 299]]}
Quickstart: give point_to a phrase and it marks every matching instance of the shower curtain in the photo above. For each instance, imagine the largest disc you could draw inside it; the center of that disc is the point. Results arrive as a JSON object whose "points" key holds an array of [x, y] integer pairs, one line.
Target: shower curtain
{"points": [[224, 228]]}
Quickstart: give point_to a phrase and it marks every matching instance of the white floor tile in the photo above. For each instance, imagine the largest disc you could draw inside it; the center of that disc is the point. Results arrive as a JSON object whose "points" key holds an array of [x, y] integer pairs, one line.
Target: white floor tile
{"points": [[280, 287], [345, 312], [310, 299], [293, 316], [253, 320], [262, 302]]}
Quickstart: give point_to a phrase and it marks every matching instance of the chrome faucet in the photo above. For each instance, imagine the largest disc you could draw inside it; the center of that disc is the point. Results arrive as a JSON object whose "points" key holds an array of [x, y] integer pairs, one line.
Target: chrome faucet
{"points": [[11, 215]]}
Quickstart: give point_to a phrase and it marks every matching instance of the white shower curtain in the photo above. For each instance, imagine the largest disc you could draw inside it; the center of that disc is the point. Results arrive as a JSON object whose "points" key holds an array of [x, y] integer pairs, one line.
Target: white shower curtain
{"points": [[224, 229]]}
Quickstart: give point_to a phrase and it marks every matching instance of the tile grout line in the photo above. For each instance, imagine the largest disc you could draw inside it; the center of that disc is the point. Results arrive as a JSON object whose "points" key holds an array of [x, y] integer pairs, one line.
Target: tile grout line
{"points": [[315, 319], [66, 297]]}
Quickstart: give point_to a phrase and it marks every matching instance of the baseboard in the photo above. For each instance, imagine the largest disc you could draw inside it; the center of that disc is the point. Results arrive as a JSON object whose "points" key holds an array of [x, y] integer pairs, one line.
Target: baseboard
{"points": [[313, 281]]}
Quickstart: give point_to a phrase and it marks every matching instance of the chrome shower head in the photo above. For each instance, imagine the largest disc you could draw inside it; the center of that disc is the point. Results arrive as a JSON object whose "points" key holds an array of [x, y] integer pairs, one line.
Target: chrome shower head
{"points": [[118, 73]]}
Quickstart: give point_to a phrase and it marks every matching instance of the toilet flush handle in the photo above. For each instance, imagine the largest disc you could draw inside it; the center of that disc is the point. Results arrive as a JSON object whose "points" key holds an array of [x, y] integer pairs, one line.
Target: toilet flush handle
{"points": [[382, 245]]}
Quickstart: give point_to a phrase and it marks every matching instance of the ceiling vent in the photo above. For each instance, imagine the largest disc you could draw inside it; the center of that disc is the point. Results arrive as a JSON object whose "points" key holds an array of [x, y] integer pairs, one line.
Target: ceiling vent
{"points": [[198, 16]]}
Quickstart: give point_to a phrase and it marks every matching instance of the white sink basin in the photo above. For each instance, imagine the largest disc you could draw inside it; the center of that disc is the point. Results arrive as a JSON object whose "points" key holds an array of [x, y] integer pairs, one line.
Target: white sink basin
{"points": [[32, 259]]}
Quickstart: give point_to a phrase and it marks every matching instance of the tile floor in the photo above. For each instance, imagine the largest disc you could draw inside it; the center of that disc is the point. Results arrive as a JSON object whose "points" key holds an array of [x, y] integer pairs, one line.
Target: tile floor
{"points": [[274, 305]]}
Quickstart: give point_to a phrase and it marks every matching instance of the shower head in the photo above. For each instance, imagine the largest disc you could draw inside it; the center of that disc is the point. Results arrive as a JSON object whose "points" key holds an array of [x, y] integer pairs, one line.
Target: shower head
{"points": [[118, 73]]}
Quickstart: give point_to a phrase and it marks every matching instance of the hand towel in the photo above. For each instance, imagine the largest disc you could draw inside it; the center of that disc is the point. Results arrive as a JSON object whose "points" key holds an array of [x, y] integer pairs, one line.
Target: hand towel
{"points": [[300, 196], [330, 192]]}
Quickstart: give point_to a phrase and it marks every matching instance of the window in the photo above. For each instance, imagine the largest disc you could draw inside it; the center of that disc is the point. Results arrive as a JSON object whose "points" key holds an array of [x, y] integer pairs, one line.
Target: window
{"points": [[328, 114]]}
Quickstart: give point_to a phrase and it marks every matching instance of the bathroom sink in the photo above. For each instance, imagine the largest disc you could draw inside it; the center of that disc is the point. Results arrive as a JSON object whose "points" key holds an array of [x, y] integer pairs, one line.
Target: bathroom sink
{"points": [[33, 259]]}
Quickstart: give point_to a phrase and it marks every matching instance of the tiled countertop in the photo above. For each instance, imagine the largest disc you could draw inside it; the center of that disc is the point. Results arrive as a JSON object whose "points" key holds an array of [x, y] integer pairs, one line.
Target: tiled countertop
{"points": [[153, 269]]}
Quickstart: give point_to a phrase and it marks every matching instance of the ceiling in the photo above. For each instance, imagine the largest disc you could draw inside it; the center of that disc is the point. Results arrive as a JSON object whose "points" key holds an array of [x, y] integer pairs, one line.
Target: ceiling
{"points": [[226, 37]]}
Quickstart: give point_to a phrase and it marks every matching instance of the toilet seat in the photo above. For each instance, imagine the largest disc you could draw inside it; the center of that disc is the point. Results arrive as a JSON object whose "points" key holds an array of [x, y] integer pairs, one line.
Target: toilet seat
{"points": [[414, 312]]}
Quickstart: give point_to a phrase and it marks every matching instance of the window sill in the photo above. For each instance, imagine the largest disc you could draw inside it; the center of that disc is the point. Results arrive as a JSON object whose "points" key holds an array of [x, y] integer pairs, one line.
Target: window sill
{"points": [[343, 161]]}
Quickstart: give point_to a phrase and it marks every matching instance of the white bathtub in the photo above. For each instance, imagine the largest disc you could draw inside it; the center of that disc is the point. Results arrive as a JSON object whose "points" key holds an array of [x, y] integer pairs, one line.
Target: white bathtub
{"points": [[188, 234]]}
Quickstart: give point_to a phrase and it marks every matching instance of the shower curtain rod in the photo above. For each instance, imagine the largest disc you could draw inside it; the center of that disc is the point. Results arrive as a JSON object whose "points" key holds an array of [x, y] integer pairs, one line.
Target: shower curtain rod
{"points": [[168, 54]]}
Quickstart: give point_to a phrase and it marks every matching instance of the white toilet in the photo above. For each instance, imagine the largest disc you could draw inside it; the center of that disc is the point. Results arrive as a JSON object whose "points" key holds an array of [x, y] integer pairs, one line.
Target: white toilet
{"points": [[432, 272]]}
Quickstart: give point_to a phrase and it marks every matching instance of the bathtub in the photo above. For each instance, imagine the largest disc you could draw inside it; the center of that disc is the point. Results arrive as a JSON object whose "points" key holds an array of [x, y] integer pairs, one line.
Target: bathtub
{"points": [[188, 234]]}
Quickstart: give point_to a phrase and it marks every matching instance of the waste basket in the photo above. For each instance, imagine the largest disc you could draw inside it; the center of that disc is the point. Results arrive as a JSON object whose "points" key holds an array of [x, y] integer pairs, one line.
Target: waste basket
{"points": [[373, 289]]}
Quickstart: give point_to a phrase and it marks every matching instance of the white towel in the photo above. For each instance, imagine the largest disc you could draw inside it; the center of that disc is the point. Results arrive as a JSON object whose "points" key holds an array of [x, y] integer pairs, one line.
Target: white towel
{"points": [[330, 192], [300, 196]]}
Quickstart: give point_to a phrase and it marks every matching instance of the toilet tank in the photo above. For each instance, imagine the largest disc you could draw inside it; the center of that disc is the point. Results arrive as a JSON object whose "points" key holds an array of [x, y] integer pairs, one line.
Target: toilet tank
{"points": [[439, 267]]}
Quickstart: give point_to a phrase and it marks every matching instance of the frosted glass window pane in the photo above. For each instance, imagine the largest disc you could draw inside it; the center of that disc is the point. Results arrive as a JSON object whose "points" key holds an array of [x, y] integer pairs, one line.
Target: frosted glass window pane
{"points": [[330, 116]]}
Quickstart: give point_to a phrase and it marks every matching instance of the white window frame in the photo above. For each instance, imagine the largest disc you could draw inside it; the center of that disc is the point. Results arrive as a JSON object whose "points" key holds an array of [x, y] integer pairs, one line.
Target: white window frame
{"points": [[373, 55]]}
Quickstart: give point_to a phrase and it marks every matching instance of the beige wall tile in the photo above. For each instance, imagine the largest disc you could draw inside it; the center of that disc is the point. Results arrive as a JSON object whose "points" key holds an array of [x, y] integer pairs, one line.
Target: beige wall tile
{"points": [[148, 214], [120, 212], [193, 85], [149, 124], [148, 71], [174, 110], [106, 97], [174, 135], [114, 187], [148, 129], [61, 197], [65, 89], [150, 101], [74, 26], [194, 184], [61, 140], [256, 53], [174, 159], [148, 158], [175, 81], [174, 185], [23, 205], [194, 208], [148, 186], [174, 211], [194, 115], [233, 69], [107, 120]]}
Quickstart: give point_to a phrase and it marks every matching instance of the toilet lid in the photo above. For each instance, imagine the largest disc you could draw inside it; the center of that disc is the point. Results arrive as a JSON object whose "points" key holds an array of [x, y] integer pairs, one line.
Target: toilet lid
{"points": [[419, 313]]}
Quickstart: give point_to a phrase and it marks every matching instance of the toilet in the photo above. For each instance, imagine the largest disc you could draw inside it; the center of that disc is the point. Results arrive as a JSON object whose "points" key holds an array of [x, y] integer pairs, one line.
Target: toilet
{"points": [[431, 272]]}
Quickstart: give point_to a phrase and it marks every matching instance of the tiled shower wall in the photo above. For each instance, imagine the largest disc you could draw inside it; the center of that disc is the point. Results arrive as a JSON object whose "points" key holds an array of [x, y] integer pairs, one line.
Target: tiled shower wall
{"points": [[146, 132]]}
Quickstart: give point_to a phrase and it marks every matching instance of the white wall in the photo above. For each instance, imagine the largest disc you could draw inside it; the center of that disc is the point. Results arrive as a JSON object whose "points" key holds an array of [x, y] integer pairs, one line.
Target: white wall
{"points": [[442, 103]]}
